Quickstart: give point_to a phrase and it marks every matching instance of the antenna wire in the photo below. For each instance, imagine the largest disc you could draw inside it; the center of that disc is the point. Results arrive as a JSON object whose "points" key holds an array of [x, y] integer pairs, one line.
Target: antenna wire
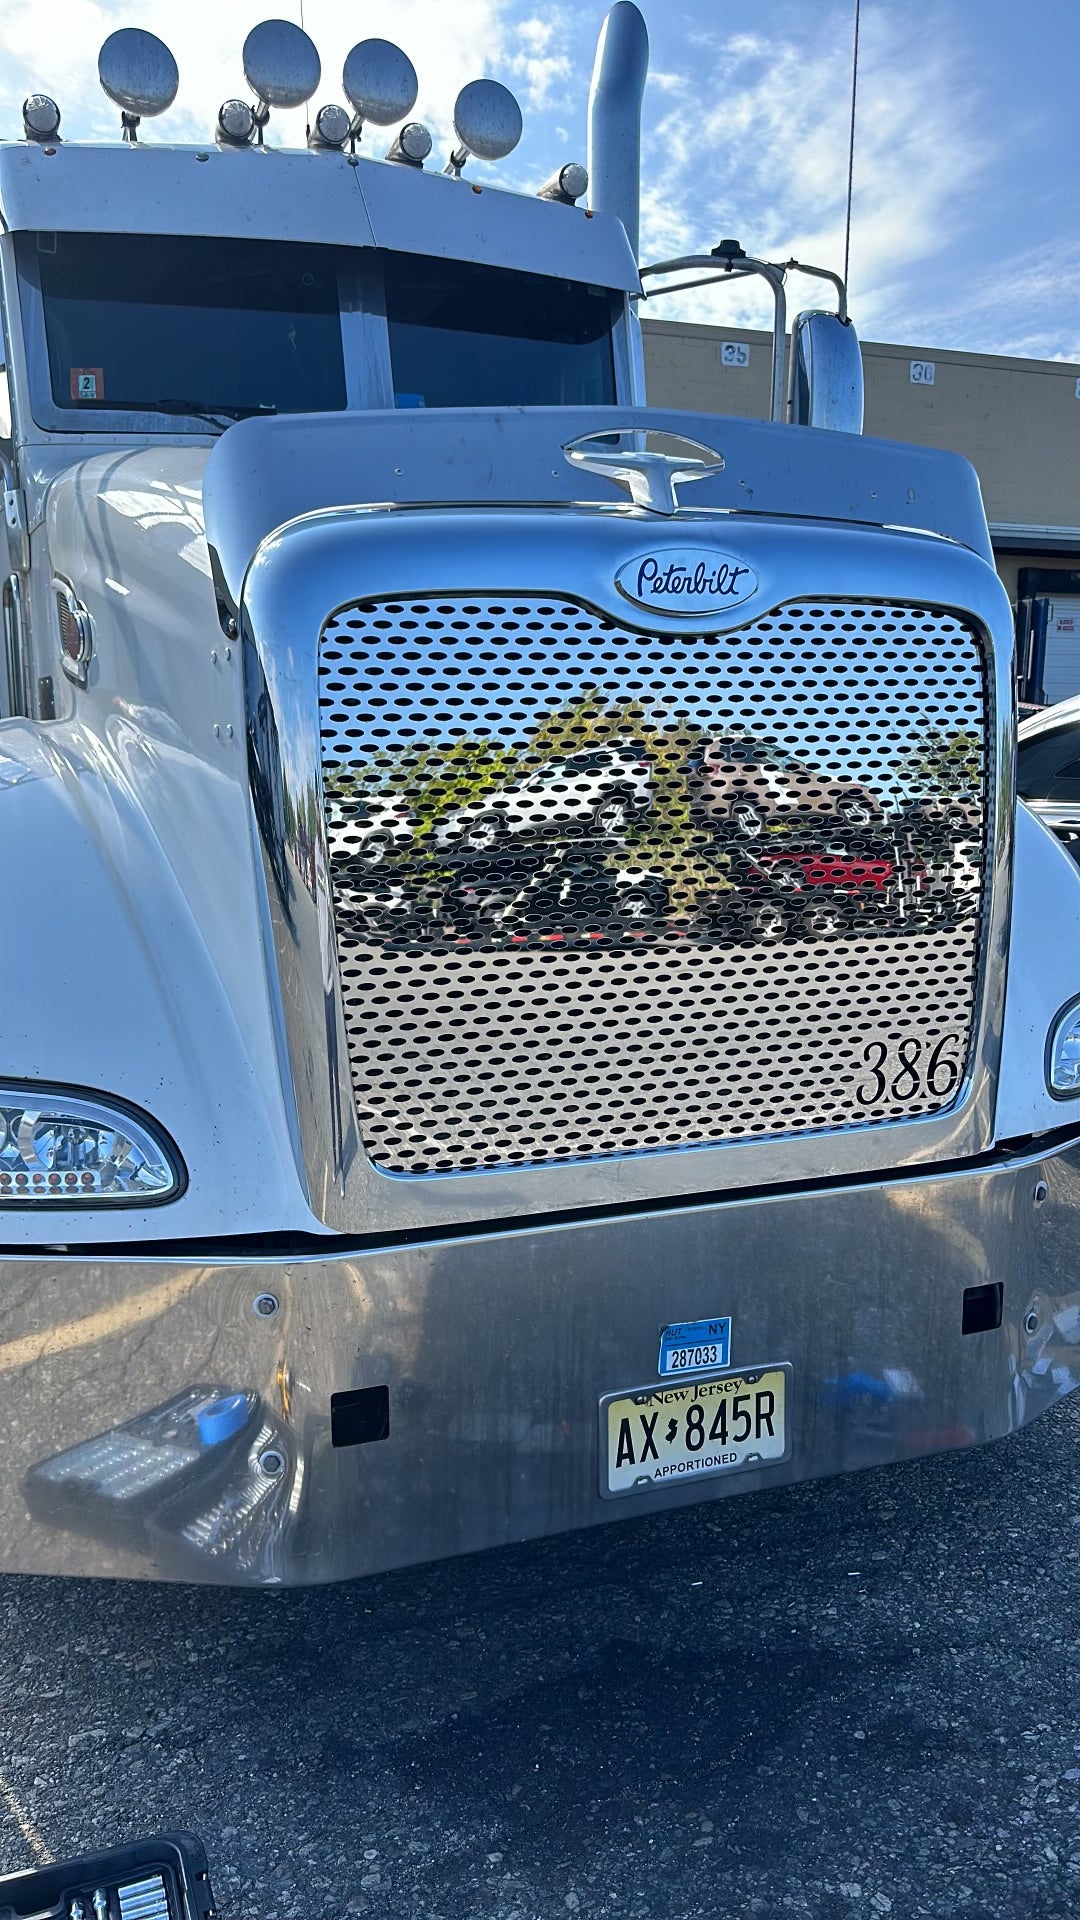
{"points": [[851, 141]]}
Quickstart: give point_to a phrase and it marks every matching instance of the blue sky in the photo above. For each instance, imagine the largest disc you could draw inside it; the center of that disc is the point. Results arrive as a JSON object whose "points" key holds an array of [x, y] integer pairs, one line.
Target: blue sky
{"points": [[966, 231]]}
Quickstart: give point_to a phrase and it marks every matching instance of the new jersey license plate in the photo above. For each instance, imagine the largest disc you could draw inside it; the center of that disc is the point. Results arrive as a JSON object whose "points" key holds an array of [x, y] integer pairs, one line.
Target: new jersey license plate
{"points": [[667, 1436]]}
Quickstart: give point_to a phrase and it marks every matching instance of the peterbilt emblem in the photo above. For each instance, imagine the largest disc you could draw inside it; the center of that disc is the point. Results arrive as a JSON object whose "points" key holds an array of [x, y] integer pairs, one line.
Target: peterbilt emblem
{"points": [[691, 580]]}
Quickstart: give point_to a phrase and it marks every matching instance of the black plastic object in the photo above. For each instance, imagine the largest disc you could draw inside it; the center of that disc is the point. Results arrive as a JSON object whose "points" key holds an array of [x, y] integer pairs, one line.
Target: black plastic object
{"points": [[983, 1307], [359, 1416], [164, 1878]]}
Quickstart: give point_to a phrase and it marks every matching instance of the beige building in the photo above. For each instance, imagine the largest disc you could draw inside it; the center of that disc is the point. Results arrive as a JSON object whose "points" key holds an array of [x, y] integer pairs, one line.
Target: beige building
{"points": [[1017, 421]]}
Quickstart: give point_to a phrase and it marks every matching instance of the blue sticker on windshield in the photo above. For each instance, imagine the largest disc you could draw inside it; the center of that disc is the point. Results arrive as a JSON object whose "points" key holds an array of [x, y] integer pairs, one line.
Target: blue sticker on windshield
{"points": [[695, 1346]]}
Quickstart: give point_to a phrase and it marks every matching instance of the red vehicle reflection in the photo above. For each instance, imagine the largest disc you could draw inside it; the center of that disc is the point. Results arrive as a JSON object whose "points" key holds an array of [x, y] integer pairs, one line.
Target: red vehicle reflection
{"points": [[854, 883]]}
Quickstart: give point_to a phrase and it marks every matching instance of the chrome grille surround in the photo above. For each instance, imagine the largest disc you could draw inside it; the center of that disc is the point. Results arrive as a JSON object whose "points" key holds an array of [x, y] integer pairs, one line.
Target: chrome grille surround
{"points": [[559, 1025]]}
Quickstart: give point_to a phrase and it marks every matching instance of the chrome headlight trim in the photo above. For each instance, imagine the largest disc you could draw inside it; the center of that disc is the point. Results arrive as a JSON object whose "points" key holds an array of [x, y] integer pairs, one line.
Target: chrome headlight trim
{"points": [[77, 1107]]}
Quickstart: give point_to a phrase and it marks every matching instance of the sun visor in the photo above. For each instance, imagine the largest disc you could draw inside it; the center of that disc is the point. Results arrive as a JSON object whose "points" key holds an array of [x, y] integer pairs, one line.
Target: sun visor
{"points": [[263, 473], [428, 213], [259, 194], [323, 198]]}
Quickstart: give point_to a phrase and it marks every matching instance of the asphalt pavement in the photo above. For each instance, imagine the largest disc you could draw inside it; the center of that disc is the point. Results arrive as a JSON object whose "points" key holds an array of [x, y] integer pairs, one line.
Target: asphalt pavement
{"points": [[855, 1698]]}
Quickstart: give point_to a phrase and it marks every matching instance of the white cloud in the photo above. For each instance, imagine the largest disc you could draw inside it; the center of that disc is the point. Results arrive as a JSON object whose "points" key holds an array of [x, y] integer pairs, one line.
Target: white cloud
{"points": [[766, 160], [1029, 307], [543, 58]]}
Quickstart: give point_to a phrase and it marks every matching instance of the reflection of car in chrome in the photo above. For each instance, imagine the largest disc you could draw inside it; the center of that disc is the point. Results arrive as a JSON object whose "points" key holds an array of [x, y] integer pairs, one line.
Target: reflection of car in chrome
{"points": [[600, 788], [479, 886], [754, 904], [578, 892], [741, 783], [941, 842], [368, 828], [399, 906], [946, 817], [840, 886]]}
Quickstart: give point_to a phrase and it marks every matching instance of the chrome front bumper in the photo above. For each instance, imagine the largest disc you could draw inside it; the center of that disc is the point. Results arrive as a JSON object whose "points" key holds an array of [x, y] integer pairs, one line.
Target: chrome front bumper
{"points": [[495, 1349]]}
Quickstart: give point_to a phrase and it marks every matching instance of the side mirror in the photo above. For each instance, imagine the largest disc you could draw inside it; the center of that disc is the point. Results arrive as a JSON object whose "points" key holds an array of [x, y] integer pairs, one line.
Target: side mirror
{"points": [[826, 373]]}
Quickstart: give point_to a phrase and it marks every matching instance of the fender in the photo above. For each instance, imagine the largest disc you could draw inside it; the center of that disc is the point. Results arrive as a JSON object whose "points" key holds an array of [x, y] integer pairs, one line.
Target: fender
{"points": [[115, 977]]}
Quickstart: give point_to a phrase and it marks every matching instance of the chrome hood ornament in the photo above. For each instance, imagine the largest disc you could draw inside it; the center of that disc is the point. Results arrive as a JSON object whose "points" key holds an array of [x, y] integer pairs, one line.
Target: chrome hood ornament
{"points": [[649, 478]]}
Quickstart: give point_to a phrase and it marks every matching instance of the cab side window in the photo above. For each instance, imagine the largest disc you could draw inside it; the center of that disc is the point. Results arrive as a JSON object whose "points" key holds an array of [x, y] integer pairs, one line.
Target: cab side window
{"points": [[1049, 769]]}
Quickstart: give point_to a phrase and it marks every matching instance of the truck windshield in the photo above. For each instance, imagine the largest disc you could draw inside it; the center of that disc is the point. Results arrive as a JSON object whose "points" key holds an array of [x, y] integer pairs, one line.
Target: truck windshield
{"points": [[144, 321], [463, 335]]}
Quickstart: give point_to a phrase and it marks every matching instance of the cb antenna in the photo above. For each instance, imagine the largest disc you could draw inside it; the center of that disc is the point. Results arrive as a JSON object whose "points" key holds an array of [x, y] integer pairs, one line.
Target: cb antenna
{"points": [[851, 140]]}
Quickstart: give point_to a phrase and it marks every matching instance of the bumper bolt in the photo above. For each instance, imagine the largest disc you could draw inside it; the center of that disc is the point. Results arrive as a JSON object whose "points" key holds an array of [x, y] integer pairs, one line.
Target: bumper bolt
{"points": [[265, 1305], [1031, 1322], [1040, 1193], [271, 1464]]}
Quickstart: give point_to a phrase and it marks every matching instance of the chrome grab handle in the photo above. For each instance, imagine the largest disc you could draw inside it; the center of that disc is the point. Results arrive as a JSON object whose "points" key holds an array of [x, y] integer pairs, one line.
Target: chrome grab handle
{"points": [[650, 478]]}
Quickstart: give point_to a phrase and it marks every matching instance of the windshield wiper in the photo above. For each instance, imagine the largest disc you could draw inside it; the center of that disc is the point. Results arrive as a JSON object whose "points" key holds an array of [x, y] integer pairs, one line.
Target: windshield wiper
{"points": [[217, 416]]}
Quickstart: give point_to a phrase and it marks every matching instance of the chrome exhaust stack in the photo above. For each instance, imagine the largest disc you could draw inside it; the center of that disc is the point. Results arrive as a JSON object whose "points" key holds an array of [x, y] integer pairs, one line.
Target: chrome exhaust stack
{"points": [[618, 83]]}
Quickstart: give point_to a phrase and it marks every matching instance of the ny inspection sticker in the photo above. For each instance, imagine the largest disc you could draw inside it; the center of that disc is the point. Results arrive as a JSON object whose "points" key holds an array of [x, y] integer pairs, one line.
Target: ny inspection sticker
{"points": [[671, 1435], [695, 1346]]}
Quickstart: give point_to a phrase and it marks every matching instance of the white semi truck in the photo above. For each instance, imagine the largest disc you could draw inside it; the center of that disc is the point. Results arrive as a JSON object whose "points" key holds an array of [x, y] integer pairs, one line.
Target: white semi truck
{"points": [[526, 996]]}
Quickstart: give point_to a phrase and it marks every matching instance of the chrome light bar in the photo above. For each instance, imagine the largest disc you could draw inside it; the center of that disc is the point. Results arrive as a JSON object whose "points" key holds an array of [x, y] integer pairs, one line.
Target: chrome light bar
{"points": [[487, 123], [139, 74]]}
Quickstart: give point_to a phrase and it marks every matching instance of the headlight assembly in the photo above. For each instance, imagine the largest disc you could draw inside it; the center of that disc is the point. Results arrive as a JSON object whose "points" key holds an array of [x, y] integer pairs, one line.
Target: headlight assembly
{"points": [[68, 1149], [1063, 1053]]}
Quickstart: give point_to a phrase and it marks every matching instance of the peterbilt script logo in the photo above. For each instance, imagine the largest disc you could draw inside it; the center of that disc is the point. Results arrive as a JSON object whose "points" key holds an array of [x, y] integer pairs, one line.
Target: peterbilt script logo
{"points": [[692, 580]]}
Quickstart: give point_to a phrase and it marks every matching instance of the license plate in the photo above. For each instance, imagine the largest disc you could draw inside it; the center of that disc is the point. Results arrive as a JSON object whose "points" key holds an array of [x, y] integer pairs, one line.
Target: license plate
{"points": [[671, 1435]]}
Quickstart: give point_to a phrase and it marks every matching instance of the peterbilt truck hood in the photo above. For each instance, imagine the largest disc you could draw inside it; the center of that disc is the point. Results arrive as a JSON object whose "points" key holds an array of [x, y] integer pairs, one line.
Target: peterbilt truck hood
{"points": [[182, 619]]}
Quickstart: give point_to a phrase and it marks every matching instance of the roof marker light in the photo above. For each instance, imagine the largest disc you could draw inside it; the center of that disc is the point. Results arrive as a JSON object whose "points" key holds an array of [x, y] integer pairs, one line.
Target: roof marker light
{"points": [[139, 74], [567, 185], [235, 123], [40, 117], [412, 146], [380, 83], [331, 129], [487, 123]]}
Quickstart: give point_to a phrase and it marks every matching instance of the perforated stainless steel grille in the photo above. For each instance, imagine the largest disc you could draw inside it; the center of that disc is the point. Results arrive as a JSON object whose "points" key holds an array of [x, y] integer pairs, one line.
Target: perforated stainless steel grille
{"points": [[600, 891]]}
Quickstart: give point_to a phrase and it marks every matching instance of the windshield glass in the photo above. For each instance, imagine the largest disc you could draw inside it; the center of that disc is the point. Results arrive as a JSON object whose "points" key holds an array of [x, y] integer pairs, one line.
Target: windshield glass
{"points": [[141, 321], [470, 336]]}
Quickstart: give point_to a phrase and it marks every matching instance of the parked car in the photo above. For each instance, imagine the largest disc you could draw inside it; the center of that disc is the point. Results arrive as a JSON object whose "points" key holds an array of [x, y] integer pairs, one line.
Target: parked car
{"points": [[368, 828], [759, 900], [944, 818], [398, 905], [738, 782], [939, 841], [841, 886], [600, 789], [478, 886], [578, 892], [1048, 768]]}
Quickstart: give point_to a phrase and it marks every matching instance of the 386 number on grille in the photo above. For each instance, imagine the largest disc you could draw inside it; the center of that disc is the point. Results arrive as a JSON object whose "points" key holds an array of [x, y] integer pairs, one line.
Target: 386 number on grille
{"points": [[909, 1069]]}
